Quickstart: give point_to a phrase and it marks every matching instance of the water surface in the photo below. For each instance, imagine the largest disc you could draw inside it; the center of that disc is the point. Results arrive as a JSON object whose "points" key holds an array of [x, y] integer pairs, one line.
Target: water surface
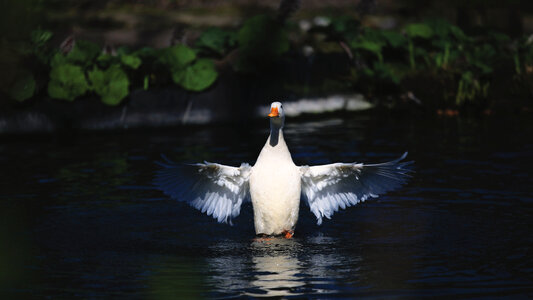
{"points": [[80, 219]]}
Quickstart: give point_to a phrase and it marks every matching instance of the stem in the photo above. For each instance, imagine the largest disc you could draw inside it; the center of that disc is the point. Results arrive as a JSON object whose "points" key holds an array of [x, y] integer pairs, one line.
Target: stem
{"points": [[517, 64], [412, 54], [446, 55]]}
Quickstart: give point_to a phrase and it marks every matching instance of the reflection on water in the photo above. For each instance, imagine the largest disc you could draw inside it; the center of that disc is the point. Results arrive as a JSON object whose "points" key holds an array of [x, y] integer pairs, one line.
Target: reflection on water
{"points": [[276, 267], [272, 267]]}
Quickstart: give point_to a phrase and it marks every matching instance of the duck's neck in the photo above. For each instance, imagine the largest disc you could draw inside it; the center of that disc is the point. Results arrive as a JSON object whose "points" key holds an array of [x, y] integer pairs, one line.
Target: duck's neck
{"points": [[275, 132]]}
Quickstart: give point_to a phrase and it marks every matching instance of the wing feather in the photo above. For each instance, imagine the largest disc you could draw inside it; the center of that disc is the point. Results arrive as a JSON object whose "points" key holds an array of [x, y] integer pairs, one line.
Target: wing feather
{"points": [[328, 188], [214, 189]]}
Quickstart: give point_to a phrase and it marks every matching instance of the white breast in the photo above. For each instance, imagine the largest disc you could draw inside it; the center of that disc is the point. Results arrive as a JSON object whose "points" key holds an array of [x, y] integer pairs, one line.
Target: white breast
{"points": [[275, 185]]}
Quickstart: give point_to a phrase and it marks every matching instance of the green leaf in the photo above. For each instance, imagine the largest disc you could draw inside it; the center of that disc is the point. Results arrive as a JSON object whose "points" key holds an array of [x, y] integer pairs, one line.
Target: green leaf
{"points": [[131, 61], [367, 45], [58, 59], [39, 37], [83, 52], [105, 60], [196, 77], [24, 87], [146, 82], [178, 57], [112, 84], [147, 52], [419, 30], [459, 34], [216, 40], [394, 39], [67, 82]]}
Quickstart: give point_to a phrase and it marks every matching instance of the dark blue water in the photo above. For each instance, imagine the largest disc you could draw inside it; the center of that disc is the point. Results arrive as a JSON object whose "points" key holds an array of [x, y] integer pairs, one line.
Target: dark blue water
{"points": [[79, 218]]}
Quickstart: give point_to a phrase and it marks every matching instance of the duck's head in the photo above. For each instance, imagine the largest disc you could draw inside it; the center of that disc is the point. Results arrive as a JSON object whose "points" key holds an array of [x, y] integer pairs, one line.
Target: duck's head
{"points": [[276, 115]]}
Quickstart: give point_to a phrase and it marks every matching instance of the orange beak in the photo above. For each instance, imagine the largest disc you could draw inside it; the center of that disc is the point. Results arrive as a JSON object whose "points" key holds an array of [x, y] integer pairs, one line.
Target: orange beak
{"points": [[273, 112]]}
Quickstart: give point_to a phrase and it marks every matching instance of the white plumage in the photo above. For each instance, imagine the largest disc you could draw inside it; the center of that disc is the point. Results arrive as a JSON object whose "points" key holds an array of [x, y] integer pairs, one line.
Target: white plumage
{"points": [[275, 184]]}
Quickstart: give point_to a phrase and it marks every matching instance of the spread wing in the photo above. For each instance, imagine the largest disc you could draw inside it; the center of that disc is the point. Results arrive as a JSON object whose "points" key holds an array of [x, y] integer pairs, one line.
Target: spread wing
{"points": [[212, 188], [330, 187]]}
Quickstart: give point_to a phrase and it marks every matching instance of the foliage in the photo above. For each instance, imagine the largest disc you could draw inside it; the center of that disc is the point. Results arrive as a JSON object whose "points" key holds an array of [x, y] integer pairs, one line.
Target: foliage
{"points": [[216, 41], [131, 61], [67, 82], [463, 66], [434, 49], [196, 77], [187, 71], [83, 53], [111, 84], [177, 57], [470, 89]]}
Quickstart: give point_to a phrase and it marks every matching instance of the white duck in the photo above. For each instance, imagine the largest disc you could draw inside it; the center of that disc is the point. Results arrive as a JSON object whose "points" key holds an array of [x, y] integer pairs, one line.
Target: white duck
{"points": [[275, 184]]}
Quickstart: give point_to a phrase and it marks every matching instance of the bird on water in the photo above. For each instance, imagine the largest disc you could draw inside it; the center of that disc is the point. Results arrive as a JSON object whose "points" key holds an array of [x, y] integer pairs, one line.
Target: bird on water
{"points": [[275, 185]]}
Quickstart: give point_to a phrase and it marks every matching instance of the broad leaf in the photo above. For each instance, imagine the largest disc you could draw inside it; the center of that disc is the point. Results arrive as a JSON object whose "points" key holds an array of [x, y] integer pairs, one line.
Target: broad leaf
{"points": [[178, 57], [67, 82], [83, 52], [216, 40], [419, 30], [131, 61], [111, 84], [196, 77]]}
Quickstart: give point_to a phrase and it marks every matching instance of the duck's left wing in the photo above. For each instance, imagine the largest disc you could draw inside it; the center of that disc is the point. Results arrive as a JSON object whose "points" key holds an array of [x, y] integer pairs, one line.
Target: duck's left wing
{"points": [[212, 188], [330, 187]]}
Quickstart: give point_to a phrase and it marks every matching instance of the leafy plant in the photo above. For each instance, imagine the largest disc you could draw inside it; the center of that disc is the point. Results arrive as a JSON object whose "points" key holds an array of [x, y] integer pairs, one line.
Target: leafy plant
{"points": [[187, 71], [131, 61], [217, 41], [39, 42], [470, 89], [67, 82], [177, 57], [413, 32], [111, 84], [196, 77], [83, 53]]}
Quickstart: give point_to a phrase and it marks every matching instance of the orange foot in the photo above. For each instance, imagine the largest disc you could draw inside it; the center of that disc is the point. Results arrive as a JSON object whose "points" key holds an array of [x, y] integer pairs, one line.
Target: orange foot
{"points": [[287, 233]]}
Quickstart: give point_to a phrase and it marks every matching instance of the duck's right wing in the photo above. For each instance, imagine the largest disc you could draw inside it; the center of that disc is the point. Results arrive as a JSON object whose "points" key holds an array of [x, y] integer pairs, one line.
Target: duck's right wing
{"points": [[212, 188]]}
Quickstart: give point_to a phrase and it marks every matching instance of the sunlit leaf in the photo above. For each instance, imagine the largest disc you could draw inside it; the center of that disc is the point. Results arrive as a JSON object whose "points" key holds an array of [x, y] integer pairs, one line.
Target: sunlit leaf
{"points": [[67, 81], [131, 61], [178, 57], [112, 84], [367, 45], [419, 30], [83, 52]]}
